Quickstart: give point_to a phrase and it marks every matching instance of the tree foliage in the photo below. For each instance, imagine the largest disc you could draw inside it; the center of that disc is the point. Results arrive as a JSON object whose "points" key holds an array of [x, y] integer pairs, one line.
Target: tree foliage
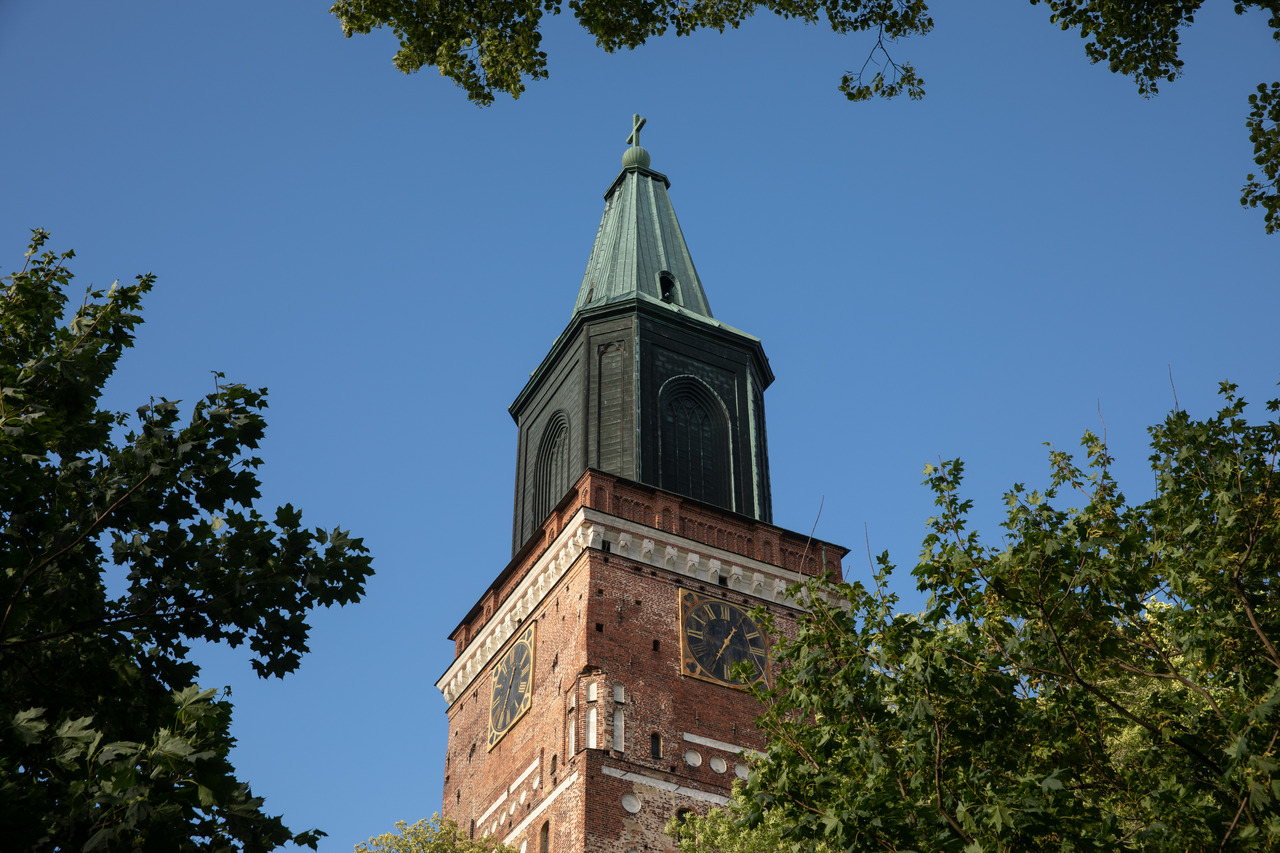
{"points": [[1105, 677], [430, 836], [725, 830], [493, 46], [123, 539]]}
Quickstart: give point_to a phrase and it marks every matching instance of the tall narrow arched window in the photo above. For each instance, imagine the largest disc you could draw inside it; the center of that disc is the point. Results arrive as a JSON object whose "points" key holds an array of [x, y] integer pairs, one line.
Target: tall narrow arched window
{"points": [[551, 469], [693, 442], [544, 837]]}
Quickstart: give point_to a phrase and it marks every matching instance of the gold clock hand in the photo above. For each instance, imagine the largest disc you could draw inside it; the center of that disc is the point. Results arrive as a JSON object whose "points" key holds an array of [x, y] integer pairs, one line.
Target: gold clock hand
{"points": [[510, 684], [725, 645], [505, 697]]}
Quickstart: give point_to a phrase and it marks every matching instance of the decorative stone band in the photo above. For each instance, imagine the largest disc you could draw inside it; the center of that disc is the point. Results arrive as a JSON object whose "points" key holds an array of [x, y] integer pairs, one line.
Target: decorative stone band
{"points": [[697, 560], [591, 528], [496, 803], [546, 572], [511, 790], [542, 806], [664, 785], [715, 744], [525, 775]]}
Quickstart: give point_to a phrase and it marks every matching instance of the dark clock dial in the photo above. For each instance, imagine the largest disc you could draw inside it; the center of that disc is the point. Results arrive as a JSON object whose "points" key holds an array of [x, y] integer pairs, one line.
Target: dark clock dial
{"points": [[512, 686], [717, 635]]}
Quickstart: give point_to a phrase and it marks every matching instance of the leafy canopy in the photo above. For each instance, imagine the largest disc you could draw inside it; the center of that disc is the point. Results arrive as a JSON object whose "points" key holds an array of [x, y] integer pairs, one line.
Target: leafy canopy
{"points": [[106, 742], [1103, 678], [724, 830], [430, 836], [492, 46]]}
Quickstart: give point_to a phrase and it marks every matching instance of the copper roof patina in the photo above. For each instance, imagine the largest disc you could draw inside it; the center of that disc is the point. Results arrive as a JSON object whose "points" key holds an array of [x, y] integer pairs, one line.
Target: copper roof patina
{"points": [[639, 251]]}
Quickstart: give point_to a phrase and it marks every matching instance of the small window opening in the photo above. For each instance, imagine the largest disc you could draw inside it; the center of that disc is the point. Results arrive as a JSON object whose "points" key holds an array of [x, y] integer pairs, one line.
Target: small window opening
{"points": [[655, 745], [657, 645], [599, 592], [607, 545], [682, 815], [553, 765], [667, 283], [722, 580], [544, 838], [600, 627]]}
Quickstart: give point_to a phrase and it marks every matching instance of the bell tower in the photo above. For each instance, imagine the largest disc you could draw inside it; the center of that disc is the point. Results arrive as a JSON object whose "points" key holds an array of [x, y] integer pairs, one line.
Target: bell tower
{"points": [[644, 383], [597, 687]]}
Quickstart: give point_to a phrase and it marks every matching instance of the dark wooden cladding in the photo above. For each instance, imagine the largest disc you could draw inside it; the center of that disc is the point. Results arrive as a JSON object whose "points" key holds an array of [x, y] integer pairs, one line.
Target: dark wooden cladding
{"points": [[612, 421], [652, 394]]}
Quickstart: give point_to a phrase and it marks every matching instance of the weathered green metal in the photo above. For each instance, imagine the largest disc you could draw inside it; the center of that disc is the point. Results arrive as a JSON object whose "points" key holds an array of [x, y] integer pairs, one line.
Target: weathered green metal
{"points": [[640, 251], [640, 349]]}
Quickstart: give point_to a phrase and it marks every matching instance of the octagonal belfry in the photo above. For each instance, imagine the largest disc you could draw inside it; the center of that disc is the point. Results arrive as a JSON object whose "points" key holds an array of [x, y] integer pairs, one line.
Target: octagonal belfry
{"points": [[644, 382]]}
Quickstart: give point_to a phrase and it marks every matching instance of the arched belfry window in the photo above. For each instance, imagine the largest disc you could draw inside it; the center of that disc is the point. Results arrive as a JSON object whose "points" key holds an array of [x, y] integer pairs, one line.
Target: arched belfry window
{"points": [[668, 288], [693, 440], [551, 469]]}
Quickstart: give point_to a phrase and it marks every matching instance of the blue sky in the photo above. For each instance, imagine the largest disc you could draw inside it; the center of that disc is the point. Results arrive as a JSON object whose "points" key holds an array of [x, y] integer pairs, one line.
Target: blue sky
{"points": [[1025, 254]]}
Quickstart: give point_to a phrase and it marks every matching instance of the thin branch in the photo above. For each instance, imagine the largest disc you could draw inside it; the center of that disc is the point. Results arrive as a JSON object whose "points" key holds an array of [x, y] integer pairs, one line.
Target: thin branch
{"points": [[804, 556], [937, 780], [1123, 711], [1173, 676], [44, 563], [1238, 587], [1244, 801]]}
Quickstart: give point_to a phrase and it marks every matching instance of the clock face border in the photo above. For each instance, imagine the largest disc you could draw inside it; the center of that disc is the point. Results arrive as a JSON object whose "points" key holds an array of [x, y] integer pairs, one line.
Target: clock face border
{"points": [[504, 680], [691, 601]]}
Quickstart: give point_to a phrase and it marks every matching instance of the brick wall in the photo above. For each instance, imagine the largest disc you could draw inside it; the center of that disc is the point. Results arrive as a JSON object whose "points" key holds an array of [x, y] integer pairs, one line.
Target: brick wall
{"points": [[665, 512], [607, 652]]}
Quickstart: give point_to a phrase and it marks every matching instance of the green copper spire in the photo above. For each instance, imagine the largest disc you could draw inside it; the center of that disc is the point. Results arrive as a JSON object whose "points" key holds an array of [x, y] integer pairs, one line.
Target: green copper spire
{"points": [[640, 252]]}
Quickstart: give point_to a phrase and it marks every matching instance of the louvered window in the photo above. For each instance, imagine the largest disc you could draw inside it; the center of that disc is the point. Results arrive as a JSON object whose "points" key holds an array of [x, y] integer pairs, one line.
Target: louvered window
{"points": [[694, 442], [551, 469]]}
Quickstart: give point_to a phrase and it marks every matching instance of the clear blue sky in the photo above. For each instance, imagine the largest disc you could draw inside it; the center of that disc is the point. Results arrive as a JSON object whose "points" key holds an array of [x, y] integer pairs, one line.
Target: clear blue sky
{"points": [[971, 275]]}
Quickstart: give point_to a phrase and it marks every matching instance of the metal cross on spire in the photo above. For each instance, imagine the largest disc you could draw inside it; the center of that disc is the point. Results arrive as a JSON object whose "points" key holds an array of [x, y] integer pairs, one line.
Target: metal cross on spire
{"points": [[636, 123]]}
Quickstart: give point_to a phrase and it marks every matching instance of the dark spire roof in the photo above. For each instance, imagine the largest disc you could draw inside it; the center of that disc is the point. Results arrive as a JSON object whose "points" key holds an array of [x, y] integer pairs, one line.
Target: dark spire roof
{"points": [[640, 252]]}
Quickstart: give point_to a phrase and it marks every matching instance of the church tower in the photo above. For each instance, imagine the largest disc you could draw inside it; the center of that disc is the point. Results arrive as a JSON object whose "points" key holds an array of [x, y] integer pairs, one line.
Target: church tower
{"points": [[644, 383], [595, 691]]}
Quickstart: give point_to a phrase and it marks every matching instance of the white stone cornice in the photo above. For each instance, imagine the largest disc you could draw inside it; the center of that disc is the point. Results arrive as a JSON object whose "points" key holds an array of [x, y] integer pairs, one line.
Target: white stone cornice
{"points": [[532, 589], [714, 744], [588, 527], [664, 785], [690, 558]]}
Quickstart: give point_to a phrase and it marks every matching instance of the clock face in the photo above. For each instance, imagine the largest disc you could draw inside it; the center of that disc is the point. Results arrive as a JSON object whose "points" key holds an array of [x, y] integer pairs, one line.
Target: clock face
{"points": [[512, 686], [715, 636]]}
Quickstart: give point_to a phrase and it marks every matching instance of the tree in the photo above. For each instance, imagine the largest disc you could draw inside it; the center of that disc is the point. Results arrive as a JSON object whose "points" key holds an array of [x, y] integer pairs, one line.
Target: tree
{"points": [[1105, 677], [492, 46], [725, 831], [122, 540], [430, 836]]}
